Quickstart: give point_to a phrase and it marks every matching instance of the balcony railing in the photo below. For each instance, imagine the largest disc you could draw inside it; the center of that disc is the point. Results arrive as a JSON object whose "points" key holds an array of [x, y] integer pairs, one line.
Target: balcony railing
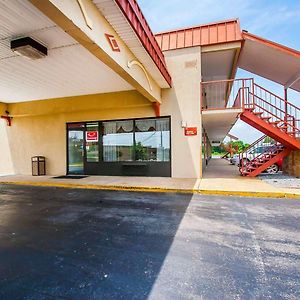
{"points": [[245, 94], [226, 94]]}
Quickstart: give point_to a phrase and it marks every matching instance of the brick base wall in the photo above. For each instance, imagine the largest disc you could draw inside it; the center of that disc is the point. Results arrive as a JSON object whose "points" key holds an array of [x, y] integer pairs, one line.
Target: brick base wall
{"points": [[291, 164]]}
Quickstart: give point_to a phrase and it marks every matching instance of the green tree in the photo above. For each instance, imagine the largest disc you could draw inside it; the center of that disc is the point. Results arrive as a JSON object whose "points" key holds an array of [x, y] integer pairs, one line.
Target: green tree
{"points": [[268, 140], [239, 146], [217, 150], [140, 152]]}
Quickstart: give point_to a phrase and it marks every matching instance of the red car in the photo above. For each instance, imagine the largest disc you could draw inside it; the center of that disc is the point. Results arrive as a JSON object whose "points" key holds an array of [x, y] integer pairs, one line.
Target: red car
{"points": [[275, 167]]}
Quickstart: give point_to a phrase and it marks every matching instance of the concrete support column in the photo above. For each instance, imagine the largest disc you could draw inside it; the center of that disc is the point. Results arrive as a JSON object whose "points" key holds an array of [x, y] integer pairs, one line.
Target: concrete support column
{"points": [[182, 102]]}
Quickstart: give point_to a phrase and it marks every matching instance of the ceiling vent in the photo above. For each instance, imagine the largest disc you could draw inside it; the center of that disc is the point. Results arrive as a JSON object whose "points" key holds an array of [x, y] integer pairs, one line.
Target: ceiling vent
{"points": [[28, 48]]}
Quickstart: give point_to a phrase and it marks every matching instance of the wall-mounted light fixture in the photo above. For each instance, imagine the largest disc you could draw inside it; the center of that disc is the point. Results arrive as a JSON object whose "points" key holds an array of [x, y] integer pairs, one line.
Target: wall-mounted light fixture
{"points": [[183, 124], [28, 48]]}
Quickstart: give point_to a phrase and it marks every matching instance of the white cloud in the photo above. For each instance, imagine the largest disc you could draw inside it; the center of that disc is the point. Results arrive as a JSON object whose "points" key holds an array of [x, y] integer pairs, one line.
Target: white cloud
{"points": [[272, 19], [277, 20]]}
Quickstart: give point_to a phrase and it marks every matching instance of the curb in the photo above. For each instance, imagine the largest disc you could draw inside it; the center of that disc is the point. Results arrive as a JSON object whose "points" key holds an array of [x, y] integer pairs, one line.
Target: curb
{"points": [[250, 194], [154, 189], [99, 187]]}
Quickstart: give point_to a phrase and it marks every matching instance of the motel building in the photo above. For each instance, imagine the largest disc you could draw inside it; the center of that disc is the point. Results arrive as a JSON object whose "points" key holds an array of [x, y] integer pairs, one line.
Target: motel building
{"points": [[90, 87]]}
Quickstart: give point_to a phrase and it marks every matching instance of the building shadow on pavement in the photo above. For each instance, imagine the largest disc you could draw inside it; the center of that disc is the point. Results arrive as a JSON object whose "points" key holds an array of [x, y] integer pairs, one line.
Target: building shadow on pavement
{"points": [[84, 244]]}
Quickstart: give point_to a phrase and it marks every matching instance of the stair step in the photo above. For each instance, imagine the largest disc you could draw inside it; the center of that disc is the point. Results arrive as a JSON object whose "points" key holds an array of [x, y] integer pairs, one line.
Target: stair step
{"points": [[275, 122], [265, 118], [244, 173], [252, 168], [257, 163], [258, 113], [294, 131]]}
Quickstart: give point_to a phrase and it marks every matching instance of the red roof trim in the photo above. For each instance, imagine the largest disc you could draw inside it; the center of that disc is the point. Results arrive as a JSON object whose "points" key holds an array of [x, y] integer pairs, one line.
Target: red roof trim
{"points": [[252, 37], [136, 19], [197, 26], [203, 35]]}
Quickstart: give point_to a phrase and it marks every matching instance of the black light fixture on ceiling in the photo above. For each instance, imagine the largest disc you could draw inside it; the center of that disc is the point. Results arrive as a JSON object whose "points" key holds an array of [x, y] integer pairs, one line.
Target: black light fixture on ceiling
{"points": [[28, 48]]}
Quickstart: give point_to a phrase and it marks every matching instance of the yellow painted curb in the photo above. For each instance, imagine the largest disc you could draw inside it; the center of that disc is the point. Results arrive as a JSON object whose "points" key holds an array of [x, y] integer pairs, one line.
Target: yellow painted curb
{"points": [[154, 189], [99, 187], [250, 194]]}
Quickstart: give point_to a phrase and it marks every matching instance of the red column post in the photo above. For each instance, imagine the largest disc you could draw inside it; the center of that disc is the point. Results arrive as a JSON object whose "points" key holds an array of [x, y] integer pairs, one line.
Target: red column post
{"points": [[286, 107]]}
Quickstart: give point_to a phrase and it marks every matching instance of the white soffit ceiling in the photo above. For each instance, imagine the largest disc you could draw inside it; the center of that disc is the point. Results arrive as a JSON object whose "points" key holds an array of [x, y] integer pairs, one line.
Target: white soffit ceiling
{"points": [[217, 65], [217, 123], [271, 63], [68, 70], [117, 20]]}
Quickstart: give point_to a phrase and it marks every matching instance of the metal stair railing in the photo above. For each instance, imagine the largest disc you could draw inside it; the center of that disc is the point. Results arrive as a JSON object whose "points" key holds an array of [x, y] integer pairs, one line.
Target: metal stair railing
{"points": [[247, 95], [279, 111], [258, 153]]}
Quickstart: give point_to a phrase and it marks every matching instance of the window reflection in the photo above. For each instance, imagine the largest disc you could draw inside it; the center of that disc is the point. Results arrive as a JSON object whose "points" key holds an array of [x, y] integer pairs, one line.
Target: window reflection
{"points": [[92, 142], [128, 140], [152, 140], [118, 141], [75, 151]]}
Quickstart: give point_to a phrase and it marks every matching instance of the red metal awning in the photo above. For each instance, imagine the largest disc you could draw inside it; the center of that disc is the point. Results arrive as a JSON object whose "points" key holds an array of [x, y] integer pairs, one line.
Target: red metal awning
{"points": [[202, 35], [270, 60], [137, 21]]}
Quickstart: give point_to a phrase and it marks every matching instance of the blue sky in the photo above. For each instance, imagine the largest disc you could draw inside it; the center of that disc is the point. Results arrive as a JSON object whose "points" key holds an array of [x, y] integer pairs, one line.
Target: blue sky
{"points": [[276, 20]]}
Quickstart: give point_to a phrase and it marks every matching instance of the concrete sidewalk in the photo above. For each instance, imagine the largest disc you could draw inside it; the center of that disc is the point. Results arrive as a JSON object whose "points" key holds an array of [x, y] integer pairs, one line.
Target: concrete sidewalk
{"points": [[219, 178], [239, 186], [107, 182]]}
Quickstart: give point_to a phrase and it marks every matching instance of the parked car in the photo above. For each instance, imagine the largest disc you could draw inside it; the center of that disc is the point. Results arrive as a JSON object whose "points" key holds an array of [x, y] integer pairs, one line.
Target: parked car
{"points": [[235, 159], [275, 168]]}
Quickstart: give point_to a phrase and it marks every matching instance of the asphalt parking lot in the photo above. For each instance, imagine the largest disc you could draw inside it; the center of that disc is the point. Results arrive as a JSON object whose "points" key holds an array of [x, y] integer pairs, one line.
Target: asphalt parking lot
{"points": [[86, 244]]}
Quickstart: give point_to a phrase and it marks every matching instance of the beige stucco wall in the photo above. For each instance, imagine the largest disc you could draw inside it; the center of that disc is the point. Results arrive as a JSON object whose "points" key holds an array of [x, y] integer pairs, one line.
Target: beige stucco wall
{"points": [[39, 127], [183, 103], [6, 165], [3, 107]]}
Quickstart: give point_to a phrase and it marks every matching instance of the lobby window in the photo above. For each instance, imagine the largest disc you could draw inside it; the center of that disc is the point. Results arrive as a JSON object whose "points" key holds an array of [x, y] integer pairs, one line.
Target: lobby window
{"points": [[92, 142], [152, 140], [118, 143]]}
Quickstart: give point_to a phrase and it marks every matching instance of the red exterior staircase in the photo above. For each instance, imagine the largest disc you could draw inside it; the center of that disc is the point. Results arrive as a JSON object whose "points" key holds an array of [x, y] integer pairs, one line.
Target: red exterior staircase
{"points": [[261, 155], [271, 130], [274, 116]]}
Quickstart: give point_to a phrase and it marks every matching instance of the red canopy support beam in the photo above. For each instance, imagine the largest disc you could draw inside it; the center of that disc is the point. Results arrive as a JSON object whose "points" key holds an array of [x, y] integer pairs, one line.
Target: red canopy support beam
{"points": [[156, 107], [8, 120]]}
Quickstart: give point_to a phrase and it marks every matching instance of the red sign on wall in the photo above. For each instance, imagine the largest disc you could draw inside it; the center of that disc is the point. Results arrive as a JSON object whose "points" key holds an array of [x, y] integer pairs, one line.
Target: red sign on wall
{"points": [[91, 136], [112, 42], [190, 131]]}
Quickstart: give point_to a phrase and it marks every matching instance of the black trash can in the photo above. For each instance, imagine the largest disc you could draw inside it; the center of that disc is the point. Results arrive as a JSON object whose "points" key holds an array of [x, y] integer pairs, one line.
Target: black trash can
{"points": [[38, 164]]}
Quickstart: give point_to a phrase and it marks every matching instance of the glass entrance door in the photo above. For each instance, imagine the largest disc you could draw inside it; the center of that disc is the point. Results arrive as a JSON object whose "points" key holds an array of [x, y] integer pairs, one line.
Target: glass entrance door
{"points": [[75, 151]]}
